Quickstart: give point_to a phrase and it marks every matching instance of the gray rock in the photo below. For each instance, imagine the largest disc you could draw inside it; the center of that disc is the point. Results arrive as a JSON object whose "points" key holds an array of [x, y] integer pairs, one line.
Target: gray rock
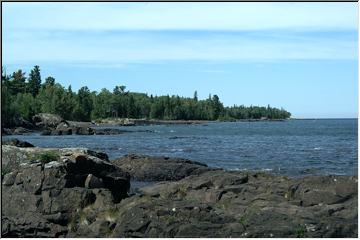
{"points": [[212, 203], [93, 182], [146, 168], [21, 131], [46, 120], [47, 199]]}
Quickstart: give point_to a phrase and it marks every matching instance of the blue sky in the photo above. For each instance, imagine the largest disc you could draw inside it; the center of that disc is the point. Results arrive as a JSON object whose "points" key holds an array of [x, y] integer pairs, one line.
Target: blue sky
{"points": [[300, 56]]}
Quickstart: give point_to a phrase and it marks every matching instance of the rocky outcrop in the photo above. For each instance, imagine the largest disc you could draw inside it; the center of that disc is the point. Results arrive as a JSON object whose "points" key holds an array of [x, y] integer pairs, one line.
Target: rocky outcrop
{"points": [[44, 190], [147, 168], [16, 131], [73, 193], [46, 120], [233, 204], [80, 128]]}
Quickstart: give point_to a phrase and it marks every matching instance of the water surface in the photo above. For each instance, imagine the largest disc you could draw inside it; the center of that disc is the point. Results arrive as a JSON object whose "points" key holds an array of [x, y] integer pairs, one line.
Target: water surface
{"points": [[294, 147]]}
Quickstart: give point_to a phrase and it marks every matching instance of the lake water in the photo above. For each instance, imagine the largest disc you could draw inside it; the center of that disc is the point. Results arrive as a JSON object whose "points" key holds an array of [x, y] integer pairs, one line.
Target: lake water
{"points": [[293, 147]]}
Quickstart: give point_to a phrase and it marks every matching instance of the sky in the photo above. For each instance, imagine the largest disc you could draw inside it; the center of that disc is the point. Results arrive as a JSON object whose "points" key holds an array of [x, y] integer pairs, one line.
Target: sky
{"points": [[299, 56]]}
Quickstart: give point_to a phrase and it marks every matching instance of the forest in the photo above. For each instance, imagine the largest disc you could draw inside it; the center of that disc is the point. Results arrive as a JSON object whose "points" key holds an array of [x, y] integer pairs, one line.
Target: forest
{"points": [[24, 96]]}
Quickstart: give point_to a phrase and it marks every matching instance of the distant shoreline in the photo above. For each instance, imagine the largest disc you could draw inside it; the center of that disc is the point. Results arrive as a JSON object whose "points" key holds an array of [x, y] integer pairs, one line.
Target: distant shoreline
{"points": [[322, 118], [140, 122]]}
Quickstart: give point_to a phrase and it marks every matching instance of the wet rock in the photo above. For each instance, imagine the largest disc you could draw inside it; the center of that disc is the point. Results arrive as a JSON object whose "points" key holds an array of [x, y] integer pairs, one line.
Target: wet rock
{"points": [[17, 143], [146, 168]]}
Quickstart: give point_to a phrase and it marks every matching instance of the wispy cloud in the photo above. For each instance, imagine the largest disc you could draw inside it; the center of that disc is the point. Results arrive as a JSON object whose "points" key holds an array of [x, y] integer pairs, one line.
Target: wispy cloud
{"points": [[120, 33], [136, 47]]}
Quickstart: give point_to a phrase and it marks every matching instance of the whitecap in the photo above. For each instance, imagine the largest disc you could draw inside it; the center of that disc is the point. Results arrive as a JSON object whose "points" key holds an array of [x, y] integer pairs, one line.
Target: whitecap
{"points": [[177, 150], [317, 148], [267, 169]]}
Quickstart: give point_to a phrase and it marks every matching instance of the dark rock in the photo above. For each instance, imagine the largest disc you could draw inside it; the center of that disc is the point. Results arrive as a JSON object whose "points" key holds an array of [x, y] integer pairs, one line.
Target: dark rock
{"points": [[322, 190], [80, 195], [21, 131], [84, 131], [100, 155], [93, 182], [46, 132], [146, 168], [6, 131], [108, 131], [17, 143], [45, 199]]}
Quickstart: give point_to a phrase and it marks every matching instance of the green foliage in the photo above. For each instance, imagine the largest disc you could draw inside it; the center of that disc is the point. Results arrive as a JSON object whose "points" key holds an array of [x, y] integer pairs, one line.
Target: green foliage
{"points": [[243, 221], [25, 99], [34, 81], [300, 232], [4, 171], [84, 105], [45, 157]]}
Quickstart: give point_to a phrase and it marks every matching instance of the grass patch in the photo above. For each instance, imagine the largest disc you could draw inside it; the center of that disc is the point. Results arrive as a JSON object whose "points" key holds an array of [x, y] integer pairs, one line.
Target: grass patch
{"points": [[300, 232], [45, 157], [243, 221]]}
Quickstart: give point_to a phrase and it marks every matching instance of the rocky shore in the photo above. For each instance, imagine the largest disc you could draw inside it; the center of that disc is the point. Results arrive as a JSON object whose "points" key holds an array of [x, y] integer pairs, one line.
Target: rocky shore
{"points": [[49, 124], [75, 192]]}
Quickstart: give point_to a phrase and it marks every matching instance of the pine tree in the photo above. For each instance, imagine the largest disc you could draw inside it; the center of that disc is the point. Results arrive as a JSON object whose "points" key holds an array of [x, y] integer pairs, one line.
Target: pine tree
{"points": [[34, 81]]}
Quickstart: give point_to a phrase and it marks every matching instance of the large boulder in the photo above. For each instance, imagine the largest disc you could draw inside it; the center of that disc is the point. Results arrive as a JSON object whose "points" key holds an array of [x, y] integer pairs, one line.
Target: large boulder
{"points": [[45, 190], [147, 168], [46, 120]]}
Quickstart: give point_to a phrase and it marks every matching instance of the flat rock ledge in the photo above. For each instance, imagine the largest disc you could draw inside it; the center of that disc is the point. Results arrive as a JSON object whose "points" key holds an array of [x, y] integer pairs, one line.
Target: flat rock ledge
{"points": [[150, 168], [81, 195]]}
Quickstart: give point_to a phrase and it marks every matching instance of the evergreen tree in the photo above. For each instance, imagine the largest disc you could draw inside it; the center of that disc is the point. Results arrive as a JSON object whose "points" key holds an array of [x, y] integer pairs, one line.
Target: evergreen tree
{"points": [[17, 82], [34, 81]]}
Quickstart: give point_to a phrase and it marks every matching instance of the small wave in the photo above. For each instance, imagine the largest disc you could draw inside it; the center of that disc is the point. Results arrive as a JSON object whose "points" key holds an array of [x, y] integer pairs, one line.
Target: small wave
{"points": [[267, 169], [238, 169], [177, 150], [172, 131], [317, 148]]}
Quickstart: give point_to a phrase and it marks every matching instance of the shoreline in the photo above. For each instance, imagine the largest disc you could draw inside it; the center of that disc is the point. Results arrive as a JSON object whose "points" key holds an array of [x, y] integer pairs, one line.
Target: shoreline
{"points": [[83, 194]]}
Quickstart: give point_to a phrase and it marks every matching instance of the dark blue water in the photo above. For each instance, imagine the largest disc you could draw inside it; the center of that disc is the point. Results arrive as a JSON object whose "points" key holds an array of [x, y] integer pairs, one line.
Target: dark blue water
{"points": [[294, 147]]}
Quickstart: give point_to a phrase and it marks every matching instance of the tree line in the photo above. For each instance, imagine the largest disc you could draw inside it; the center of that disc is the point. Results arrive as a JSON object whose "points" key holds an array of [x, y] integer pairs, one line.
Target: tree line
{"points": [[23, 97]]}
